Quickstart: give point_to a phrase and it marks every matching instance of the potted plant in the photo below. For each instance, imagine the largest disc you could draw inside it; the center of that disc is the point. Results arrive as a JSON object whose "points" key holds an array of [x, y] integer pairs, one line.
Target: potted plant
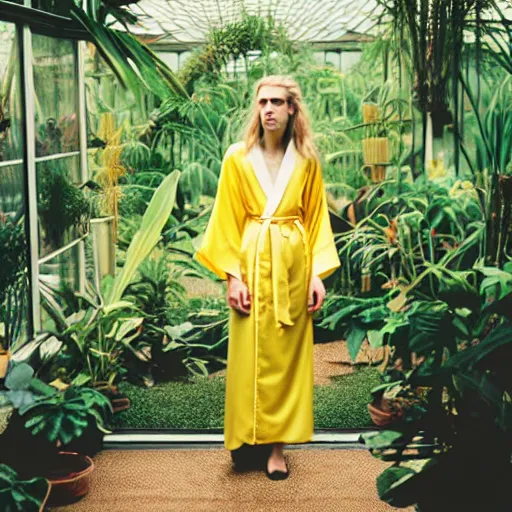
{"points": [[457, 440], [44, 423], [27, 495]]}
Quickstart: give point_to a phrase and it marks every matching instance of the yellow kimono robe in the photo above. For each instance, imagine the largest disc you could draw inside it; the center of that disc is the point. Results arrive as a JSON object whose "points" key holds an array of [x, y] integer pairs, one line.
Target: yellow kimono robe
{"points": [[272, 236]]}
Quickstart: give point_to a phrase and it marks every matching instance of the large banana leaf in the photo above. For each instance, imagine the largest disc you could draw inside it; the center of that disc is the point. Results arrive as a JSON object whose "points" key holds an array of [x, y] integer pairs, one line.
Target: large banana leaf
{"points": [[147, 236]]}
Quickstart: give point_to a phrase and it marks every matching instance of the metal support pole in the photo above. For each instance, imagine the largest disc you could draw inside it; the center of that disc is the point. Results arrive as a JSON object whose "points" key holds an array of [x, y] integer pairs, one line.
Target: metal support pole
{"points": [[31, 182], [82, 119]]}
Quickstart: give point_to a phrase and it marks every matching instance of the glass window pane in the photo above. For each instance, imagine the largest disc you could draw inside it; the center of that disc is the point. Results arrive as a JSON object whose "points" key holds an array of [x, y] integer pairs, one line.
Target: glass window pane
{"points": [[56, 99], [13, 281], [63, 208], [349, 59], [11, 189], [11, 146], [53, 6], [333, 59], [59, 275], [109, 105]]}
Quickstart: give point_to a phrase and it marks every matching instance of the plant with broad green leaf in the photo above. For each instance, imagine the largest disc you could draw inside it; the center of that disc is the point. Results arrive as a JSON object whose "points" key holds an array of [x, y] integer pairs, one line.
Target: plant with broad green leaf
{"points": [[455, 354], [61, 415], [96, 338], [174, 341], [396, 238], [134, 64], [45, 419], [147, 236], [17, 494], [65, 416], [23, 389]]}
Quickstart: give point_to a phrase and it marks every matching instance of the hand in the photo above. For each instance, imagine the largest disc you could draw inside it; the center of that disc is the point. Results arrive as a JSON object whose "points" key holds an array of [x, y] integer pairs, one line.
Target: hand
{"points": [[316, 294], [238, 296]]}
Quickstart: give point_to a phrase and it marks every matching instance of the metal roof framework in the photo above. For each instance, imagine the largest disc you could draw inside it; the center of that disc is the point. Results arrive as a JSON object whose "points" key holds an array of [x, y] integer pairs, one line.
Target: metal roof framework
{"points": [[186, 24]]}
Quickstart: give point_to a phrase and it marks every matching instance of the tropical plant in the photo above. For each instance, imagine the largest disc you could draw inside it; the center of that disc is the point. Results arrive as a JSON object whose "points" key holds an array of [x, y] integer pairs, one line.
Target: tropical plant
{"points": [[66, 415], [231, 41], [47, 419], [61, 416], [133, 63], [432, 34], [96, 338], [462, 345], [395, 238], [493, 158], [177, 339], [17, 494]]}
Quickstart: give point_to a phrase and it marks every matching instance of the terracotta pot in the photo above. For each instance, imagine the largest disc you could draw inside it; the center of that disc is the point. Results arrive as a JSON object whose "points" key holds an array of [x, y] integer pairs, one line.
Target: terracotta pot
{"points": [[70, 481], [376, 150], [43, 504], [381, 413], [119, 403]]}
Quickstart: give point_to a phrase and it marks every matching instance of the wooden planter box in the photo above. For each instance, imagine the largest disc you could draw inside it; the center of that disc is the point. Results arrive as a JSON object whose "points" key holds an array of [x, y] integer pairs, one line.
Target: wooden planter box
{"points": [[71, 481]]}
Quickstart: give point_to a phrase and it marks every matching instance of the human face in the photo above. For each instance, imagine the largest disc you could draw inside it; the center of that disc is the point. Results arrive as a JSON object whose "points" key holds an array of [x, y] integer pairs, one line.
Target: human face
{"points": [[274, 108]]}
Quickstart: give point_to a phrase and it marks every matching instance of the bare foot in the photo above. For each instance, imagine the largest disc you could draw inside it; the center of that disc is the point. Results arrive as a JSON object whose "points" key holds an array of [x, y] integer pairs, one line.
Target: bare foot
{"points": [[276, 460]]}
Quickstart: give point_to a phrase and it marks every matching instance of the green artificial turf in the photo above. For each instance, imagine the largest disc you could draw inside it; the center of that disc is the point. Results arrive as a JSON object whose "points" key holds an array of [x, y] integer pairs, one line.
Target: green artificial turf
{"points": [[200, 404]]}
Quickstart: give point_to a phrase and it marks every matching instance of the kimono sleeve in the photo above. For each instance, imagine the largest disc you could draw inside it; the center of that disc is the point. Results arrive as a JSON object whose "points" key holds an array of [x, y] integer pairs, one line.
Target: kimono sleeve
{"points": [[324, 255], [220, 247]]}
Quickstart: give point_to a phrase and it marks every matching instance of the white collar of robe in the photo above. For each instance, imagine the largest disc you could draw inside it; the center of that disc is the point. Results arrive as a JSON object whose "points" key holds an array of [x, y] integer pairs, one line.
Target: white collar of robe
{"points": [[273, 191]]}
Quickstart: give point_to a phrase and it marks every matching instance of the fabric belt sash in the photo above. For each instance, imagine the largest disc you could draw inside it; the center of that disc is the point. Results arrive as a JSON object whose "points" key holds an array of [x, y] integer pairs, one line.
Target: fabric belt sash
{"points": [[280, 284]]}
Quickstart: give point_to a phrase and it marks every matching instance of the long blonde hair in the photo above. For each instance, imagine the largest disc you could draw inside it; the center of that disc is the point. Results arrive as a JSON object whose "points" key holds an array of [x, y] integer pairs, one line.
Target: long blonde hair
{"points": [[298, 125]]}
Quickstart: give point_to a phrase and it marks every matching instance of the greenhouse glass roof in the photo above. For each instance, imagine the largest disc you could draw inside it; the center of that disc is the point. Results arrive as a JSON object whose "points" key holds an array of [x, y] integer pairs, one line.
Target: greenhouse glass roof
{"points": [[188, 21]]}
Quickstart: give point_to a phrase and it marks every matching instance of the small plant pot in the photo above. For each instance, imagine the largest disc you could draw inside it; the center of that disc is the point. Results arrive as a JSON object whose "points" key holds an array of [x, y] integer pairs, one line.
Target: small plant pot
{"points": [[376, 150], [381, 413], [119, 402], [71, 480]]}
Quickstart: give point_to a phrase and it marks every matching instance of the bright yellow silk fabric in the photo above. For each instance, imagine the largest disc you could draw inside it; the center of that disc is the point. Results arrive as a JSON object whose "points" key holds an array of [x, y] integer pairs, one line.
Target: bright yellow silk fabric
{"points": [[269, 381]]}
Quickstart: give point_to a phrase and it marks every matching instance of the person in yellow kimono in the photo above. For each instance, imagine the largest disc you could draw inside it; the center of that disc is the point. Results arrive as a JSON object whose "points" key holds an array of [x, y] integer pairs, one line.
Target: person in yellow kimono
{"points": [[270, 237]]}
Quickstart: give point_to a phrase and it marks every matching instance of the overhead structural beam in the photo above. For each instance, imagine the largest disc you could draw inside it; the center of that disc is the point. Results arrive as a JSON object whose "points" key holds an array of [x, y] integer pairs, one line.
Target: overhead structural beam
{"points": [[41, 22]]}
